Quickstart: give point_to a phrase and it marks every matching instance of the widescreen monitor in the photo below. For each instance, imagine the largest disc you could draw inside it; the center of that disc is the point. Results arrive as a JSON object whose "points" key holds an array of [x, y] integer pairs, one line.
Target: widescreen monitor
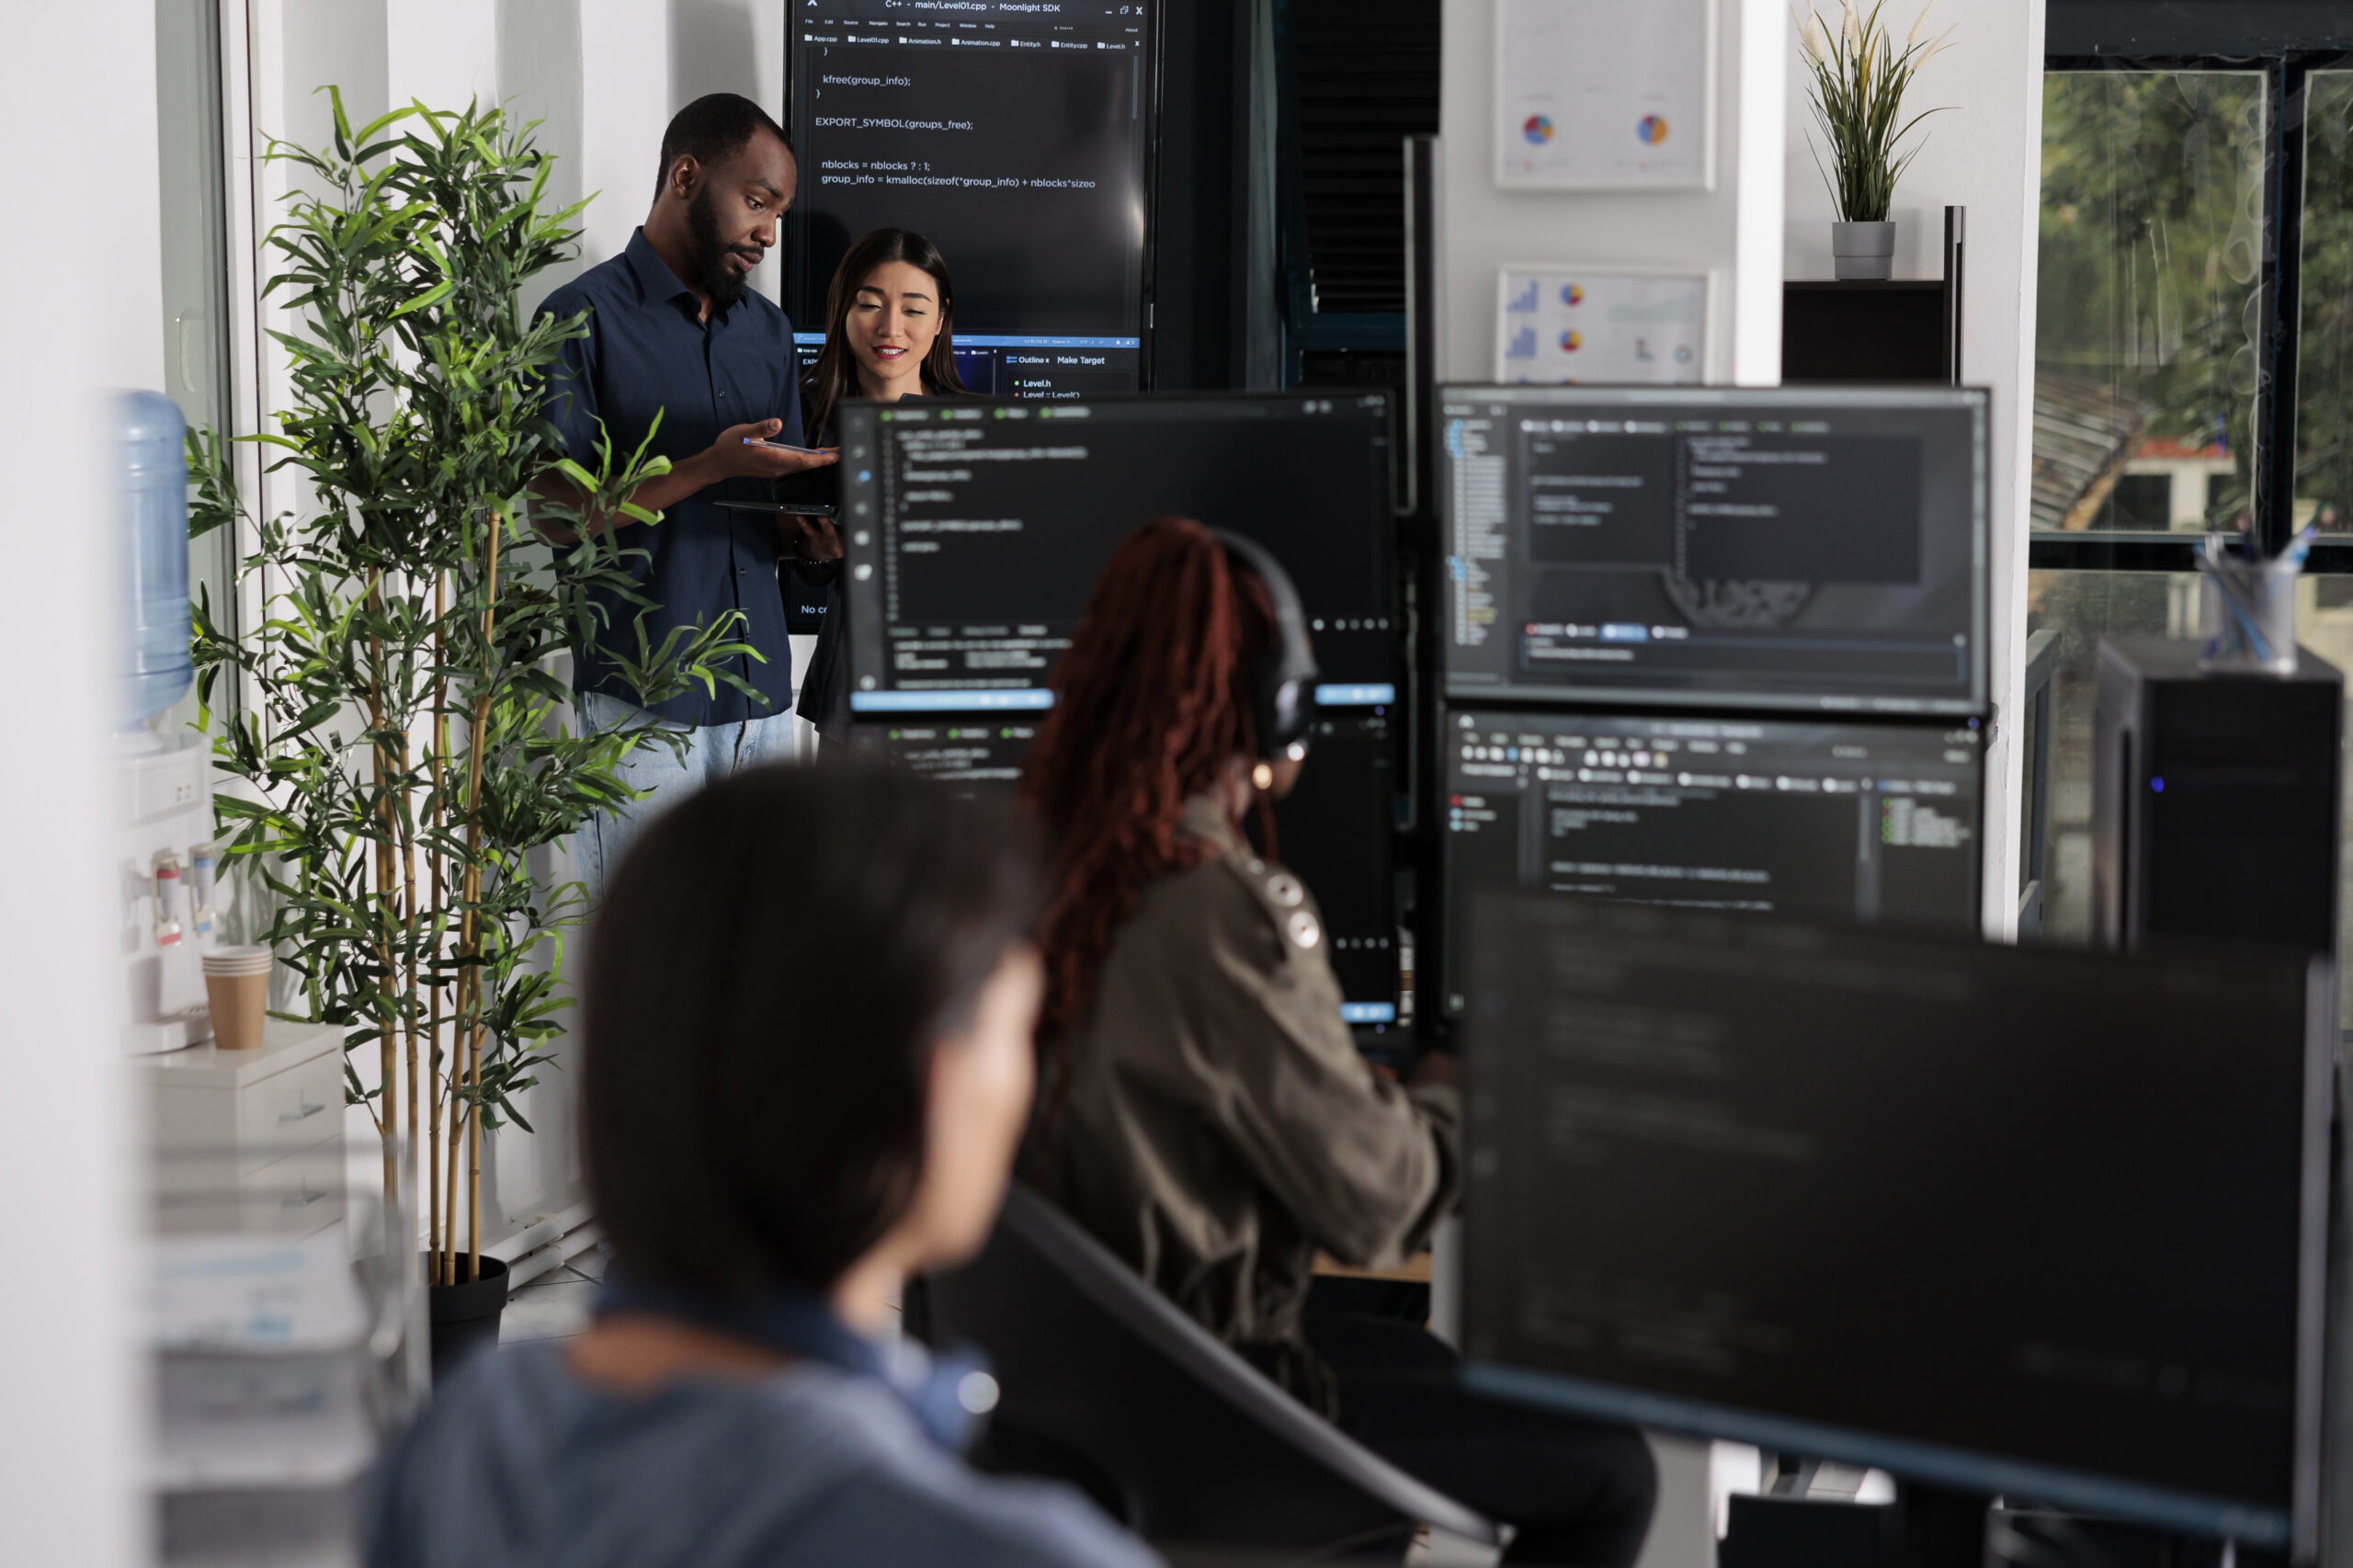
{"points": [[2020, 1222], [974, 759], [1822, 820], [1800, 548], [975, 532], [1017, 138], [1336, 829]]}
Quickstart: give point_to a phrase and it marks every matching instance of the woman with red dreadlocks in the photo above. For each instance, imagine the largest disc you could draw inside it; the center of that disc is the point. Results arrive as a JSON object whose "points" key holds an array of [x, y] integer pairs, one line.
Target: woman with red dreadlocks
{"points": [[1203, 1110]]}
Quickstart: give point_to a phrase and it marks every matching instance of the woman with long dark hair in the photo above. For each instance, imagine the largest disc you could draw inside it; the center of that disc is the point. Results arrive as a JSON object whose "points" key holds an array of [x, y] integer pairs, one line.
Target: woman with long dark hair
{"points": [[767, 1178], [889, 335], [1204, 1110]]}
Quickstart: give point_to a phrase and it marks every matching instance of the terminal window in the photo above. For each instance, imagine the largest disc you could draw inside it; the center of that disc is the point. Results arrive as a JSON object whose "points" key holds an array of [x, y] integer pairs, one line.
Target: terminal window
{"points": [[1717, 547], [973, 761], [976, 532], [1824, 822], [1015, 136]]}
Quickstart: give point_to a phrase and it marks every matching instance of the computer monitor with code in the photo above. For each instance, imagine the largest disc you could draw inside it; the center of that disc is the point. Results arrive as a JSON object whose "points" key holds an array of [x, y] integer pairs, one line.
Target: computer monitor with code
{"points": [[975, 531], [1780, 548], [1019, 139], [2018, 1221], [1819, 820], [1336, 829]]}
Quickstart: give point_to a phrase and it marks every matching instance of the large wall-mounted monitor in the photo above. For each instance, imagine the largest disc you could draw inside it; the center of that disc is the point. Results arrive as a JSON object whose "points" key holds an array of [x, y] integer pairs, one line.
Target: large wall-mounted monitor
{"points": [[1783, 547], [2014, 1221], [1336, 829], [1820, 821], [1016, 137], [975, 532]]}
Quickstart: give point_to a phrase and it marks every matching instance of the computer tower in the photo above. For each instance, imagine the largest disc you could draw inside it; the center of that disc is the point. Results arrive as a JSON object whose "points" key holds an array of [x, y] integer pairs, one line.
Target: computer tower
{"points": [[2217, 801]]}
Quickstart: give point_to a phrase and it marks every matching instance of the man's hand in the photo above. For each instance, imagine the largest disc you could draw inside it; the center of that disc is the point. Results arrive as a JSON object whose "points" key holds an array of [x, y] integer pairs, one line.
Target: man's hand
{"points": [[808, 537], [739, 454]]}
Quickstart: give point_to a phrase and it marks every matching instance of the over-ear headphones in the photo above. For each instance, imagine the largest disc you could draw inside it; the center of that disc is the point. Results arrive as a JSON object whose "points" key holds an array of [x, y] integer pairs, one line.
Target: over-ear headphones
{"points": [[1283, 686]]}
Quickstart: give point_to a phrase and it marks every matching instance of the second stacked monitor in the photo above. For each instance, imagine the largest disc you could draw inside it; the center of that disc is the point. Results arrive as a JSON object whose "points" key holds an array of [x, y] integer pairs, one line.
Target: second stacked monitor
{"points": [[1817, 820], [1715, 648], [1333, 829], [976, 532]]}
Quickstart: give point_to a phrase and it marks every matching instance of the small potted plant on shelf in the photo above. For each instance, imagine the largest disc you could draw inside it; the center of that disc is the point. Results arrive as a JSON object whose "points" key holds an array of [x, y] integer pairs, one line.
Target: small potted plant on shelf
{"points": [[1859, 78], [404, 746]]}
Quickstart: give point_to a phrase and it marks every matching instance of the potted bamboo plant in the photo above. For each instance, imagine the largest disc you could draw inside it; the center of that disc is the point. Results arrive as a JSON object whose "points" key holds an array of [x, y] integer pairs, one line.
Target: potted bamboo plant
{"points": [[1859, 78], [405, 745]]}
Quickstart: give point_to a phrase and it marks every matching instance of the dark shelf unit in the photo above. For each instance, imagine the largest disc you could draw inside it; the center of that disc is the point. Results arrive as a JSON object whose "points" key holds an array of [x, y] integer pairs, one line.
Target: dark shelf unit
{"points": [[1902, 330]]}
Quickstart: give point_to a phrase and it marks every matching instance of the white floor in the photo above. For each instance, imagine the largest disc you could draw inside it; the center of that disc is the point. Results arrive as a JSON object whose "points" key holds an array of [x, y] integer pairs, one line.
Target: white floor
{"points": [[555, 1305]]}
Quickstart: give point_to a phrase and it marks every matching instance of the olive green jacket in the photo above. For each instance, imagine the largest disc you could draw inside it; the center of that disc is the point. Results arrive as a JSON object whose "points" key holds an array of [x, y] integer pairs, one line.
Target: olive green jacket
{"points": [[1216, 1124]]}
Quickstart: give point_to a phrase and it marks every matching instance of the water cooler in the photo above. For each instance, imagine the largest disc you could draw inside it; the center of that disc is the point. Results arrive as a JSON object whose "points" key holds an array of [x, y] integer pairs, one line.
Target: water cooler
{"points": [[165, 859]]}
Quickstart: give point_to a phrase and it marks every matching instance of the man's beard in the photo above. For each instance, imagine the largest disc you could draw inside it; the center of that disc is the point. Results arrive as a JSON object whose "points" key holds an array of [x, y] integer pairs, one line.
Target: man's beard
{"points": [[723, 283]]}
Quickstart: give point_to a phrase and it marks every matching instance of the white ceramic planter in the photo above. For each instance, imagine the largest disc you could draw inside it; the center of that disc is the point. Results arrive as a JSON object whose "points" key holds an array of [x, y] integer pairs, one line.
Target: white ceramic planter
{"points": [[1864, 252]]}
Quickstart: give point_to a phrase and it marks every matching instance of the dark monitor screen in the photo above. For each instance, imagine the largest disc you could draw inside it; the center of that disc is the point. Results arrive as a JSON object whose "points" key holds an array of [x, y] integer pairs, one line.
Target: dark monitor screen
{"points": [[1774, 548], [977, 761], [975, 532], [2021, 1222], [1335, 830], [1822, 820], [1018, 139]]}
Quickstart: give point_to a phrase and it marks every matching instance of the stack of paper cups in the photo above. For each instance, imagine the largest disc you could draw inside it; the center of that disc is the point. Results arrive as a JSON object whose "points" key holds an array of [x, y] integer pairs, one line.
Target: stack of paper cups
{"points": [[236, 983]]}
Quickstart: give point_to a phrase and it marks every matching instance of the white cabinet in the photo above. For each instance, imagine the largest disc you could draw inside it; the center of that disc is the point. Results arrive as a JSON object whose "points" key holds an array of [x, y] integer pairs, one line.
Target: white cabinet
{"points": [[263, 1104], [248, 1142]]}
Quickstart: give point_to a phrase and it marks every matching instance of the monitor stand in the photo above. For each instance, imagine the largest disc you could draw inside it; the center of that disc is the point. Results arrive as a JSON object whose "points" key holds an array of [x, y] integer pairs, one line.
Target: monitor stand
{"points": [[1926, 1526]]}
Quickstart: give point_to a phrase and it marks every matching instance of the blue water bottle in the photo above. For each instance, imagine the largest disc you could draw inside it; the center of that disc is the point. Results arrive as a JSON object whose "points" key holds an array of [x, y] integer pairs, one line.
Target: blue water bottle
{"points": [[155, 554]]}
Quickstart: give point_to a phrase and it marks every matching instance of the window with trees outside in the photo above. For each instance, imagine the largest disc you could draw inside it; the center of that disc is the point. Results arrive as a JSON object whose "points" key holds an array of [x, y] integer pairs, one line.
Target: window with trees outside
{"points": [[2193, 346]]}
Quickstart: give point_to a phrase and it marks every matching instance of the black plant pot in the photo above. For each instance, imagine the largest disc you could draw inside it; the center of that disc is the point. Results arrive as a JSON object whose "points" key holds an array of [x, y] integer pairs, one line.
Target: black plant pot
{"points": [[465, 1315]]}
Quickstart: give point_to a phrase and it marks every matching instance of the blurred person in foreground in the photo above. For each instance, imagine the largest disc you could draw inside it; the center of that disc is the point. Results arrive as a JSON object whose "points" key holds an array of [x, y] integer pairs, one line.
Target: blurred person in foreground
{"points": [[769, 1177], [1204, 1110]]}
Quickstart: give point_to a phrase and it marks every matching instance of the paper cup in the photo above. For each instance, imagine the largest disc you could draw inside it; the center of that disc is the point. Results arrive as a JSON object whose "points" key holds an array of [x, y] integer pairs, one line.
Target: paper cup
{"points": [[236, 984]]}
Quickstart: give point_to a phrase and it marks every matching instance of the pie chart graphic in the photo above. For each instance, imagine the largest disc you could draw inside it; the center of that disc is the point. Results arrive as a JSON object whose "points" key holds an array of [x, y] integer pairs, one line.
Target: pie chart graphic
{"points": [[1570, 342], [1572, 295], [1537, 130], [1653, 129]]}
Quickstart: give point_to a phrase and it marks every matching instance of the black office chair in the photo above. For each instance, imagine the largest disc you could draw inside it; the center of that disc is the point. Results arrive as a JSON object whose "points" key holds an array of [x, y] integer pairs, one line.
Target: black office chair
{"points": [[1106, 1383]]}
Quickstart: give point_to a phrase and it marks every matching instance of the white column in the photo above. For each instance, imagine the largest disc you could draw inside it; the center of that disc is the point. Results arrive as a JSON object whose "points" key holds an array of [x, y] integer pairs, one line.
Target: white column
{"points": [[625, 82], [444, 52], [1981, 150], [80, 314], [1763, 109]]}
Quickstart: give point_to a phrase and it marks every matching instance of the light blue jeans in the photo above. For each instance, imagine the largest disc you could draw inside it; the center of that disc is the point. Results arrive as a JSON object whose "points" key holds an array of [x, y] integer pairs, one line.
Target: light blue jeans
{"points": [[713, 752]]}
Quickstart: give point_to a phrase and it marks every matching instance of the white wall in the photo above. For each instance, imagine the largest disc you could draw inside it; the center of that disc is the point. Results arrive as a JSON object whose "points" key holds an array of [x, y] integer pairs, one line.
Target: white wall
{"points": [[1984, 153], [1734, 229], [442, 52], [79, 84]]}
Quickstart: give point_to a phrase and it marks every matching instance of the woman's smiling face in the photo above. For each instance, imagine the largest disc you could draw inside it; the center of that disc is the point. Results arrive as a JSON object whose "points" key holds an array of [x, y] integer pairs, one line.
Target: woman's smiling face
{"points": [[893, 320]]}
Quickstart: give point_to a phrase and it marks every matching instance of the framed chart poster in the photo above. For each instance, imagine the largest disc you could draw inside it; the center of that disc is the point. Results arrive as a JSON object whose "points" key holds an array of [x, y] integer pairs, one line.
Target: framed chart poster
{"points": [[1558, 326], [1606, 95]]}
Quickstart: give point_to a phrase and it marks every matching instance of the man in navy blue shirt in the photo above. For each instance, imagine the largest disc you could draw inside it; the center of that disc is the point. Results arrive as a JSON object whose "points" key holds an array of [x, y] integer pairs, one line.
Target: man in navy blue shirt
{"points": [[674, 331]]}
